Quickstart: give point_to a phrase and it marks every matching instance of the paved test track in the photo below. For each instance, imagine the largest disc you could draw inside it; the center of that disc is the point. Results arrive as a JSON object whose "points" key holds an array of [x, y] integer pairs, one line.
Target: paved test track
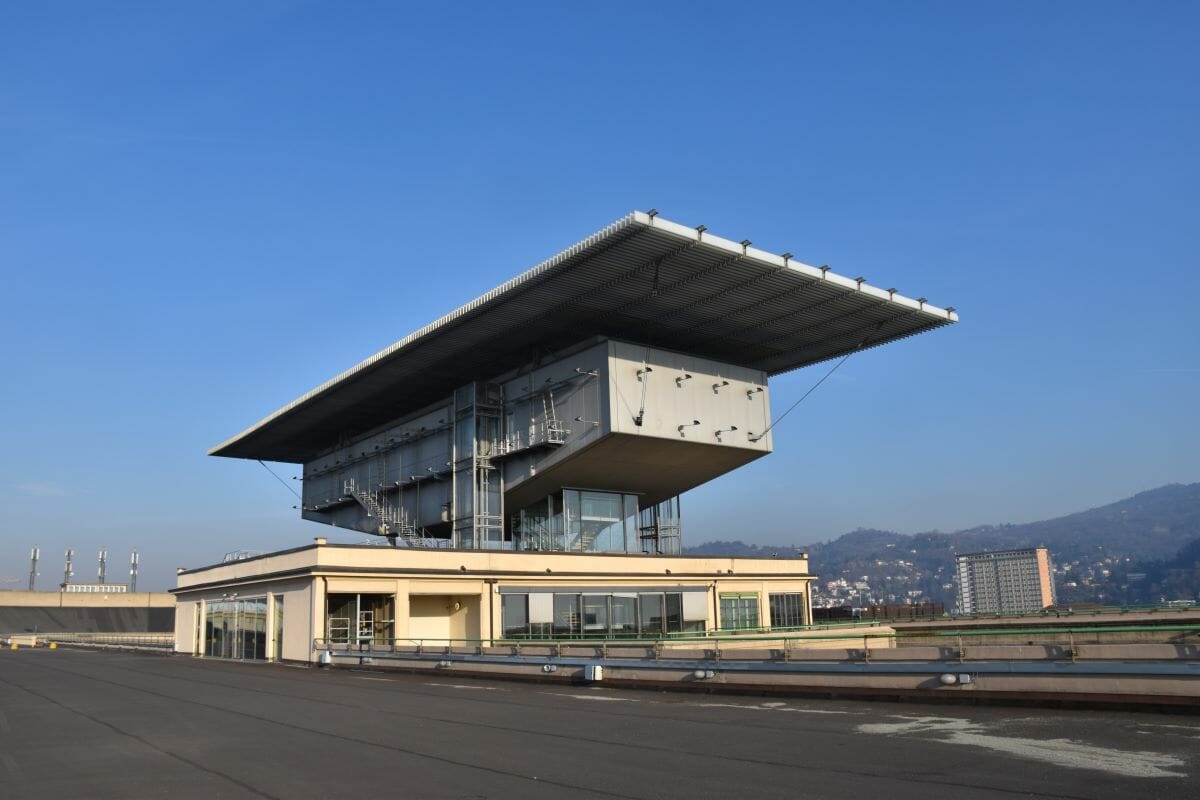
{"points": [[83, 724]]}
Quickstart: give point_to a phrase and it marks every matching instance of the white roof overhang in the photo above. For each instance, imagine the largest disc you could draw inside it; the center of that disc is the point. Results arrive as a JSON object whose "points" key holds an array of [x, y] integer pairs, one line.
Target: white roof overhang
{"points": [[642, 279]]}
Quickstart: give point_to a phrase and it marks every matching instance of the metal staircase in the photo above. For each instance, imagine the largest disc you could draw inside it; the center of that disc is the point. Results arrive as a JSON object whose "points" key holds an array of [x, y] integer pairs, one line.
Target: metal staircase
{"points": [[393, 520]]}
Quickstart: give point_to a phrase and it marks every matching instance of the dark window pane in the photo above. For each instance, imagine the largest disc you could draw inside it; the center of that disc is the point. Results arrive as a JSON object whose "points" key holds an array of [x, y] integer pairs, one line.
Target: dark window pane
{"points": [[674, 613], [514, 611]]}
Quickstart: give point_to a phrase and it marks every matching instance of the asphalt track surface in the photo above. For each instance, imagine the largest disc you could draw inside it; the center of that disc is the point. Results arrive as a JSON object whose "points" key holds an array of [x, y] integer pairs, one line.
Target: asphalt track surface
{"points": [[84, 724]]}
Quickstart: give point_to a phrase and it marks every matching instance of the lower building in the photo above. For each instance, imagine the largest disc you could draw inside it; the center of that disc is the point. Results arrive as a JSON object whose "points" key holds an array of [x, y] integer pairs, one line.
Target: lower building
{"points": [[288, 605], [1005, 581]]}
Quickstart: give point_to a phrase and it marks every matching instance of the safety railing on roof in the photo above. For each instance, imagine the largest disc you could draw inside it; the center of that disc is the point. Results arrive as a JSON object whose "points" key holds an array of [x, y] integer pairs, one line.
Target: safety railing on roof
{"points": [[786, 642], [1184, 607], [154, 640]]}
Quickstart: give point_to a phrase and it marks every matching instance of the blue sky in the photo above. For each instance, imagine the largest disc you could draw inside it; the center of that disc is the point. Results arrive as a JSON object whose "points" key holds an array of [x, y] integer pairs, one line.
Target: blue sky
{"points": [[208, 209]]}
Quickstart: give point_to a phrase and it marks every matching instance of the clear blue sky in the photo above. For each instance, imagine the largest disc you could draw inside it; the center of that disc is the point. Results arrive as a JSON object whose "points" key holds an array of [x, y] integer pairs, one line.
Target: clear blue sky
{"points": [[207, 209]]}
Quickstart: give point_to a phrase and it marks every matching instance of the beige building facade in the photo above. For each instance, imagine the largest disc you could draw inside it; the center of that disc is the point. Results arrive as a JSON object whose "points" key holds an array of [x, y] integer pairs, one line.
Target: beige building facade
{"points": [[291, 605]]}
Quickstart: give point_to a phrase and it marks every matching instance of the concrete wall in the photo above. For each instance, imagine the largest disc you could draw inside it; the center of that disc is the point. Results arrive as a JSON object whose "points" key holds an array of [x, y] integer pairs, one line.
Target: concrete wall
{"points": [[68, 612], [87, 599]]}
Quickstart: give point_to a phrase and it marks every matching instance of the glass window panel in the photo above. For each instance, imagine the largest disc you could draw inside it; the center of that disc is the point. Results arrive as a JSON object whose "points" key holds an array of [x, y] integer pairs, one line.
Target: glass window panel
{"points": [[632, 533], [787, 610], [652, 617], [277, 644], [598, 523], [624, 616], [343, 611], [557, 538], [674, 602], [210, 629], [595, 615], [739, 612], [566, 615], [514, 615], [258, 620], [571, 504]]}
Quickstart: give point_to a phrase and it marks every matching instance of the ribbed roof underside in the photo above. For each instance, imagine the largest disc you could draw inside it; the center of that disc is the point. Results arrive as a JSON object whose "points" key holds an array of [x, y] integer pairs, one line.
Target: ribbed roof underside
{"points": [[641, 279]]}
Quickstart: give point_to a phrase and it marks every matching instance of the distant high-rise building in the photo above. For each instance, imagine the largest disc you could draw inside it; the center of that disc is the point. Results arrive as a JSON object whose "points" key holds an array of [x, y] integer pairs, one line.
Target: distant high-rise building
{"points": [[1005, 581]]}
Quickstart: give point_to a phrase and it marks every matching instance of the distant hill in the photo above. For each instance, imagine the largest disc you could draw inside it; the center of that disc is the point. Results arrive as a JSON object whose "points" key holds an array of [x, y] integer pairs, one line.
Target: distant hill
{"points": [[1095, 551]]}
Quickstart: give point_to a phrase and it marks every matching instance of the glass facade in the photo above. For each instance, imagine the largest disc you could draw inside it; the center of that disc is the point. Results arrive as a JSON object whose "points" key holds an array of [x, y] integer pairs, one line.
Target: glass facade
{"points": [[277, 627], [739, 611], [360, 617], [579, 521], [236, 629], [660, 527], [618, 615], [787, 610]]}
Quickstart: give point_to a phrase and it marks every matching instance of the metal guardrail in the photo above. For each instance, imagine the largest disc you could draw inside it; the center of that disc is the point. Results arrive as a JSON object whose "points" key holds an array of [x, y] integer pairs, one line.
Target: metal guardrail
{"points": [[787, 640], [1057, 613], [165, 641]]}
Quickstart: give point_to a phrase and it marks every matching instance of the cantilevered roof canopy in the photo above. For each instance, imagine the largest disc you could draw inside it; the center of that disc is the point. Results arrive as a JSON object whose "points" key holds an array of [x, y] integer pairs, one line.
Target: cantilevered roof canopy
{"points": [[641, 279]]}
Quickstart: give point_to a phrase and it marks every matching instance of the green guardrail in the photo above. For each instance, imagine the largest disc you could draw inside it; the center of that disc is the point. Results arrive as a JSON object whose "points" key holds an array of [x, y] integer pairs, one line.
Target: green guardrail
{"points": [[1059, 612], [749, 639]]}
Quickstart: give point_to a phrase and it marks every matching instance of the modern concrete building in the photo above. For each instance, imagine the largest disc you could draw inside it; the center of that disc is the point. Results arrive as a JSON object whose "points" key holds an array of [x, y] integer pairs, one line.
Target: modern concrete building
{"points": [[525, 454], [1005, 581]]}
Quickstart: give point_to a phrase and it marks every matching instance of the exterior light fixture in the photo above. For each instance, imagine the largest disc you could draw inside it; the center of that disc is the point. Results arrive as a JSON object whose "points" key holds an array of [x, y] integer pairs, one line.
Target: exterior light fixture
{"points": [[751, 392], [745, 243], [701, 228], [652, 213], [687, 376], [824, 270], [643, 371], [786, 257], [860, 280], [591, 373], [719, 431], [691, 424], [594, 423], [717, 386]]}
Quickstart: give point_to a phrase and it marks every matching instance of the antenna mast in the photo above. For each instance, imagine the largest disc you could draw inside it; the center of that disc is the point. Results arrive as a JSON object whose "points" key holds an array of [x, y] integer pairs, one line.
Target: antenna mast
{"points": [[33, 573]]}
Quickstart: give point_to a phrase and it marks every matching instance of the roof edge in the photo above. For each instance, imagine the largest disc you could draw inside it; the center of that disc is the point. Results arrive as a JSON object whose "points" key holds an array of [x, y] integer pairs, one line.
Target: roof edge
{"points": [[461, 311], [636, 218]]}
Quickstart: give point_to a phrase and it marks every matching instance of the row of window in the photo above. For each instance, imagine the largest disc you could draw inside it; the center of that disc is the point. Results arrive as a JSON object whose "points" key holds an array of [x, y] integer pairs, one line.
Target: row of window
{"points": [[740, 611], [628, 615], [643, 615]]}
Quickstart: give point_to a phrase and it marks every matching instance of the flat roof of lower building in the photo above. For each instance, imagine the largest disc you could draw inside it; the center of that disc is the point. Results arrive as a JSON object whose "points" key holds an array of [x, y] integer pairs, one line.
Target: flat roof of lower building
{"points": [[642, 279]]}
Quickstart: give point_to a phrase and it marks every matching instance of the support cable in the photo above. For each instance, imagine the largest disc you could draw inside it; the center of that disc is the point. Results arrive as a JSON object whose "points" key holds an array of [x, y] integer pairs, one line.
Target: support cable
{"points": [[281, 480], [813, 388]]}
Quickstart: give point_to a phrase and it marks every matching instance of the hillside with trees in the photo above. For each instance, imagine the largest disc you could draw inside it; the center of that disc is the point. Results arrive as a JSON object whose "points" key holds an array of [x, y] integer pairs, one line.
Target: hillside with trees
{"points": [[1142, 549]]}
